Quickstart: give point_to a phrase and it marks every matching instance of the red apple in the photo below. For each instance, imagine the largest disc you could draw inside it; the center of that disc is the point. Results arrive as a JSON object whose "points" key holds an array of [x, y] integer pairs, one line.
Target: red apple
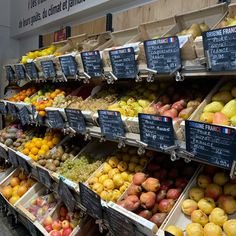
{"points": [[166, 184], [173, 173], [213, 191], [48, 228], [181, 183], [166, 205], [40, 202], [173, 193], [47, 221], [160, 174], [63, 211], [210, 170], [56, 225], [66, 232], [55, 233], [65, 224]]}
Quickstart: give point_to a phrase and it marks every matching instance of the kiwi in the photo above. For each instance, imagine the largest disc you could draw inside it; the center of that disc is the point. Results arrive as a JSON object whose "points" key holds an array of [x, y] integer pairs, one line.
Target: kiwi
{"points": [[64, 157], [56, 163], [52, 167], [42, 162]]}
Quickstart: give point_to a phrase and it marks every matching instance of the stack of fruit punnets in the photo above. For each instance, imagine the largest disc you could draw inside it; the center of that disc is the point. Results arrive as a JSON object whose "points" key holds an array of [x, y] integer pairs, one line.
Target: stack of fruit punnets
{"points": [[153, 194], [39, 206], [116, 174], [18, 185], [40, 146], [23, 96], [54, 160], [211, 204], [222, 108], [62, 222]]}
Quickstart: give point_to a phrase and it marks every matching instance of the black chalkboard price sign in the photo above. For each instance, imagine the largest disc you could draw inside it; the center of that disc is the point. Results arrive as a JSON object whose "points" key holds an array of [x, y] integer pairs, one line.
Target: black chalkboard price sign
{"points": [[163, 55], [31, 70], [13, 158], [3, 109], [68, 65], [91, 201], [123, 63], [20, 71], [24, 116], [220, 48], [48, 69], [66, 195], [111, 124], [44, 177], [156, 131], [55, 119], [11, 109], [92, 63], [10, 73], [76, 120], [119, 223], [213, 144], [23, 163], [3, 153], [168, 234]]}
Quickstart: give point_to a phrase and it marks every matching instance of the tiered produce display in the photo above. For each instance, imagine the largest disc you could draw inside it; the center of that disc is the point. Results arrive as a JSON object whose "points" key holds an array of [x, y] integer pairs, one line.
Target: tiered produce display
{"points": [[84, 150]]}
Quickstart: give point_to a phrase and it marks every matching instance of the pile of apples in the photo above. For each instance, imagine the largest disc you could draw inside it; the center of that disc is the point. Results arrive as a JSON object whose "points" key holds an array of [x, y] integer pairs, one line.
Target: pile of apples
{"points": [[17, 187], [63, 224], [153, 196], [39, 206], [117, 174], [211, 205], [23, 95]]}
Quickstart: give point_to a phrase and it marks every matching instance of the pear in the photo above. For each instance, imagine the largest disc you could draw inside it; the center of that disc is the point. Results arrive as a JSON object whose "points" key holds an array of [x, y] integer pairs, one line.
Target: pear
{"points": [[214, 107], [233, 120], [207, 117], [204, 27], [227, 87], [232, 23], [143, 103], [233, 91], [223, 96], [230, 108], [220, 118]]}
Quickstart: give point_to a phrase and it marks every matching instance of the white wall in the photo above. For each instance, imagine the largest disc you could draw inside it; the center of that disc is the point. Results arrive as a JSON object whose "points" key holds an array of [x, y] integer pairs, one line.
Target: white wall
{"points": [[30, 42]]}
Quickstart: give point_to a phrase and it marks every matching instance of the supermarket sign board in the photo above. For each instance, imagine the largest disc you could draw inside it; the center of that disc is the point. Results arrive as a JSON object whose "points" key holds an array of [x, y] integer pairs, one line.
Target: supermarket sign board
{"points": [[27, 15]]}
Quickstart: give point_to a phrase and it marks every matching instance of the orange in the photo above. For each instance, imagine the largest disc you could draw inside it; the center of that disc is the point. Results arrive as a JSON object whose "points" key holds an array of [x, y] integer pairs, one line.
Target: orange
{"points": [[55, 140], [34, 139], [31, 145], [41, 107], [26, 151], [34, 150], [38, 144], [44, 141], [42, 113], [50, 144], [14, 181], [53, 95], [45, 147], [27, 145], [42, 152], [32, 156]]}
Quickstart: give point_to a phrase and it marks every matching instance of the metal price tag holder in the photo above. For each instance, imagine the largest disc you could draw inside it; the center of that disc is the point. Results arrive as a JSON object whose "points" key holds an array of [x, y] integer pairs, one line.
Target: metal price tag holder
{"points": [[185, 154], [142, 146], [85, 77], [110, 77], [178, 76], [172, 150], [233, 171], [150, 73]]}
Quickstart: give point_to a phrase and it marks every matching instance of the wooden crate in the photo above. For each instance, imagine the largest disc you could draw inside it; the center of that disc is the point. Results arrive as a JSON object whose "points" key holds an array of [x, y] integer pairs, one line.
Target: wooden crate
{"points": [[6, 182], [210, 15]]}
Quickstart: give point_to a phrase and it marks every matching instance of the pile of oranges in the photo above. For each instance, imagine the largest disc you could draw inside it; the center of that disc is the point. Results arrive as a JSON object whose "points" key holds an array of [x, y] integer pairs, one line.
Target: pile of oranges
{"points": [[22, 95], [40, 105], [40, 146]]}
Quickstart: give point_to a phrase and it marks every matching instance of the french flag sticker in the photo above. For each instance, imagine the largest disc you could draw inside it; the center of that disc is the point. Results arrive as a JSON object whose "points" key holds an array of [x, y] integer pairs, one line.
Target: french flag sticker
{"points": [[226, 131], [165, 119], [171, 40]]}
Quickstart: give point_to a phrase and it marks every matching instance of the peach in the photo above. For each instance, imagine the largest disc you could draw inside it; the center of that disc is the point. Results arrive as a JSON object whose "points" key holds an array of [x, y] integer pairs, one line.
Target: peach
{"points": [[227, 203], [221, 178], [151, 184], [196, 193], [139, 178], [158, 218], [218, 216], [203, 181], [148, 200], [200, 217], [213, 191], [207, 205], [166, 205], [188, 206]]}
